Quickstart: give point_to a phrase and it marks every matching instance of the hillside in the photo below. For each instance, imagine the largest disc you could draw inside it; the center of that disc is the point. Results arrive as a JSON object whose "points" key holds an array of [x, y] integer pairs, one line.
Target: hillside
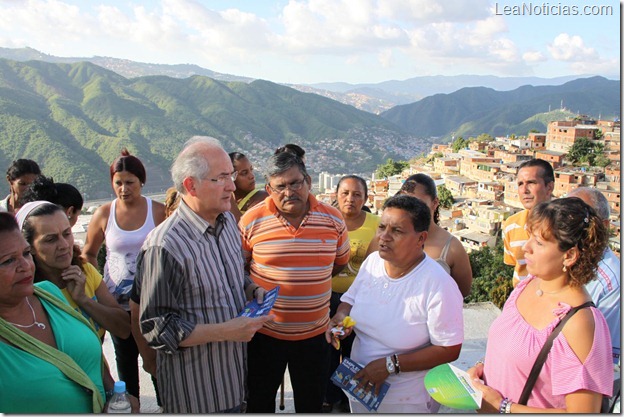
{"points": [[74, 118], [475, 110]]}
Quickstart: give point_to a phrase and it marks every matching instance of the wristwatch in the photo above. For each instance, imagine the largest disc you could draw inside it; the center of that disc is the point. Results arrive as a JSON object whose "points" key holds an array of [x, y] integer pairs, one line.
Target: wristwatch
{"points": [[389, 365]]}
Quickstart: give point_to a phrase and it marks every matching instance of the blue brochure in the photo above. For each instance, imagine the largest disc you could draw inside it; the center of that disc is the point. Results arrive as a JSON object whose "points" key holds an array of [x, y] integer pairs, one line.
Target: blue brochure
{"points": [[253, 309], [343, 378]]}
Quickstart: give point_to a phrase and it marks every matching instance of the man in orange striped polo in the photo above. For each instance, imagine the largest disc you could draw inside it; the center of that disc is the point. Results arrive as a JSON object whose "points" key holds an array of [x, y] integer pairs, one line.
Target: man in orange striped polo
{"points": [[294, 241]]}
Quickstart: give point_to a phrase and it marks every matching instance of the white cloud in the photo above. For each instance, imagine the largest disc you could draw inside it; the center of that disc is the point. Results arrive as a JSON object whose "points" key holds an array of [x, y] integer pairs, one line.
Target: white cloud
{"points": [[434, 11], [533, 57], [571, 48]]}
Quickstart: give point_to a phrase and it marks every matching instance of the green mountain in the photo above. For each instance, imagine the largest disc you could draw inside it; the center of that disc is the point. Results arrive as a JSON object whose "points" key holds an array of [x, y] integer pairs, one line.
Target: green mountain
{"points": [[73, 119], [475, 110]]}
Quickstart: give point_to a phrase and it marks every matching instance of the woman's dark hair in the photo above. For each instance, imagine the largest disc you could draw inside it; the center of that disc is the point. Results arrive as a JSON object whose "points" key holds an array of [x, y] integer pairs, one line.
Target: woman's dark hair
{"points": [[7, 222], [572, 223], [292, 148], [429, 186], [236, 156], [28, 231], [22, 167], [417, 210], [357, 178], [130, 163], [44, 188]]}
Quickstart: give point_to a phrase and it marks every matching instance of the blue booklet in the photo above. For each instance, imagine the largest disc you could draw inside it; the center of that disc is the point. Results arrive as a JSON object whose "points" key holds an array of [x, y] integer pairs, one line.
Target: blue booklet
{"points": [[253, 309], [343, 378]]}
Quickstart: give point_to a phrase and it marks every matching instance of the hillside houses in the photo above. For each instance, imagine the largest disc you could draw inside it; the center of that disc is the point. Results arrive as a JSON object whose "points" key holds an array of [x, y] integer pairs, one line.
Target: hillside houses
{"points": [[482, 177]]}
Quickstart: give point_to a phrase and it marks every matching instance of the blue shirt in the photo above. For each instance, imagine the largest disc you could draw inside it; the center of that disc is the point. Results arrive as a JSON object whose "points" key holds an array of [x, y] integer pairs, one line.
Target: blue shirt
{"points": [[605, 292]]}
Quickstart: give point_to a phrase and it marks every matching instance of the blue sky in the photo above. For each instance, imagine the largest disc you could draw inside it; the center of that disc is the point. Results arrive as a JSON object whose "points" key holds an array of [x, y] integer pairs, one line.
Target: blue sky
{"points": [[309, 41]]}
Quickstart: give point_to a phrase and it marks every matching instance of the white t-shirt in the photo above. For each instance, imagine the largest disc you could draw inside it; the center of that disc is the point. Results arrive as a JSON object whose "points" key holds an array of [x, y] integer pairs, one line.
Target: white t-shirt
{"points": [[423, 308]]}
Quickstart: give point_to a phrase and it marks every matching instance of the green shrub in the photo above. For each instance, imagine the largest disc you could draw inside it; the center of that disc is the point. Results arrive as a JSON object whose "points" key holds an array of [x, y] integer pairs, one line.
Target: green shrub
{"points": [[492, 279]]}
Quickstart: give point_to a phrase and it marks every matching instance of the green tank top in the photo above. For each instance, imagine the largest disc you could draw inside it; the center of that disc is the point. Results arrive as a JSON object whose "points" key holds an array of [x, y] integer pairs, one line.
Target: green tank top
{"points": [[34, 386]]}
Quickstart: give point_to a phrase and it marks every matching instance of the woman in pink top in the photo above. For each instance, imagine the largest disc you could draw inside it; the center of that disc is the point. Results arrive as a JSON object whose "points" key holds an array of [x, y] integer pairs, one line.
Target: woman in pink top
{"points": [[566, 243]]}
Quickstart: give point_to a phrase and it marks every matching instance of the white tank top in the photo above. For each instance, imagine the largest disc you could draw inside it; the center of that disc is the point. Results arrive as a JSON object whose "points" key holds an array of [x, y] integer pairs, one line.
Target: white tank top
{"points": [[122, 248]]}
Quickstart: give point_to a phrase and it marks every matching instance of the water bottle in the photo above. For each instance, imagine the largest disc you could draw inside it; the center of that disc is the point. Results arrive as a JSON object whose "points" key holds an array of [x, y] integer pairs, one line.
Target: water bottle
{"points": [[119, 402]]}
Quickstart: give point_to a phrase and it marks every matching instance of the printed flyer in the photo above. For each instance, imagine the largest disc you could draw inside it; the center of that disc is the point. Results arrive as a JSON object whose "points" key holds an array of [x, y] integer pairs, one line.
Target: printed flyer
{"points": [[253, 309], [450, 386], [343, 378]]}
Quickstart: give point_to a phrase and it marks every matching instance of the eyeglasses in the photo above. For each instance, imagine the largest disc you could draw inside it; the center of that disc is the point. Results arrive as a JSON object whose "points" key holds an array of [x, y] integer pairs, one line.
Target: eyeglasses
{"points": [[221, 179], [293, 186]]}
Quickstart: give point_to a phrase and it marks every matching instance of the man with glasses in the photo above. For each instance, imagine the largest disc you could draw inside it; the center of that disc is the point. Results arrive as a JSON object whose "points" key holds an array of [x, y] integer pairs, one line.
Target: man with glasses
{"points": [[294, 241], [192, 285]]}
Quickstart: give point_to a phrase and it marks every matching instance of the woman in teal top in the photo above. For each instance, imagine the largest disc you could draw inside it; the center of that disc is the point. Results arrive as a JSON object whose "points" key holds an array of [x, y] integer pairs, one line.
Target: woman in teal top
{"points": [[50, 357]]}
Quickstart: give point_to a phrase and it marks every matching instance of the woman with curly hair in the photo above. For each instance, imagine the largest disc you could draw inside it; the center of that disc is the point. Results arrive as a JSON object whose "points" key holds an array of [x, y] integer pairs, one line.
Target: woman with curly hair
{"points": [[567, 240]]}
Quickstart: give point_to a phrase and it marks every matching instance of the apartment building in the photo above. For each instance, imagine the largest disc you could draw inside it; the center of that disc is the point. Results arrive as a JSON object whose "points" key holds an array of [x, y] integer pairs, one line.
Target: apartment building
{"points": [[561, 135]]}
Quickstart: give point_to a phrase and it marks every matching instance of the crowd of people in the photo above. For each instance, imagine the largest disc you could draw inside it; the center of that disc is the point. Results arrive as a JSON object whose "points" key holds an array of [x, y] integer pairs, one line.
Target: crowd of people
{"points": [[177, 276]]}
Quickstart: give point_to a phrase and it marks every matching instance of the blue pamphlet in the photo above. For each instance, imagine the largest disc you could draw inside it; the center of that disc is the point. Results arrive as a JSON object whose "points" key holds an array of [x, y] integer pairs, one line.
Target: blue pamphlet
{"points": [[253, 309], [343, 378]]}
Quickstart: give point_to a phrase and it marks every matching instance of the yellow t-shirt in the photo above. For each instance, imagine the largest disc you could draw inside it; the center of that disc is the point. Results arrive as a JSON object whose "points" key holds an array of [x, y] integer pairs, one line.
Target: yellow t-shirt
{"points": [[359, 240], [94, 279]]}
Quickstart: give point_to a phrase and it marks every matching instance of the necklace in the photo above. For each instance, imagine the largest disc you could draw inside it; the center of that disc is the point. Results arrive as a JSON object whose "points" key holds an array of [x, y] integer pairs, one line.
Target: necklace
{"points": [[539, 292], [32, 310]]}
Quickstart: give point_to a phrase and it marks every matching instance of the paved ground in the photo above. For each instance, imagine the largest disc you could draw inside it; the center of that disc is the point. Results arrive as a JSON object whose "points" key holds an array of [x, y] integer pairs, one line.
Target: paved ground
{"points": [[477, 320]]}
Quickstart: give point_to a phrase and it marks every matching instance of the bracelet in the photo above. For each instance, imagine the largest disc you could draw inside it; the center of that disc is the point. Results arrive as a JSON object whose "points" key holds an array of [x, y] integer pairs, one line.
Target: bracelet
{"points": [[397, 367], [505, 406], [508, 407]]}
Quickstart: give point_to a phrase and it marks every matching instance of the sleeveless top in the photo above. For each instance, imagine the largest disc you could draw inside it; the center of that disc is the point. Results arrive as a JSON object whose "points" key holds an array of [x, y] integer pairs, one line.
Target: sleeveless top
{"points": [[122, 247], [245, 199], [442, 259], [359, 240], [32, 385]]}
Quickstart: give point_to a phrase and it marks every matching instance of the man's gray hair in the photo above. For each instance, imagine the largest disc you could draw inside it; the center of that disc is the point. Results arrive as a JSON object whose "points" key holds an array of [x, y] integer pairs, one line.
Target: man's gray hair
{"points": [[598, 201], [192, 161], [282, 162]]}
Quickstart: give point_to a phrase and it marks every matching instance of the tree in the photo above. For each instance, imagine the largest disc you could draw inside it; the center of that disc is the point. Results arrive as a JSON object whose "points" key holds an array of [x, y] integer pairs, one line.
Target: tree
{"points": [[585, 151], [445, 197], [484, 137], [492, 279], [459, 143], [391, 168]]}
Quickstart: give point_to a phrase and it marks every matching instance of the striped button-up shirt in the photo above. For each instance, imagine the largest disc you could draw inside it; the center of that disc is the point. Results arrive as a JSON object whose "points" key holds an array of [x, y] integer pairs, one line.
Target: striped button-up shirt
{"points": [[190, 273]]}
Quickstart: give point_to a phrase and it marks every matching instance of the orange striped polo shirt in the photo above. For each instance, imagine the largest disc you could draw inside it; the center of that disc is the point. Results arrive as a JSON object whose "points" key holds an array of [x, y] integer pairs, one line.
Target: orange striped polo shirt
{"points": [[299, 260]]}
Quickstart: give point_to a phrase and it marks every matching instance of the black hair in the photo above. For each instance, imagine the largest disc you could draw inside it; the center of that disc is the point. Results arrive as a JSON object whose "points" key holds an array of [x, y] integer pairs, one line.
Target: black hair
{"points": [[547, 170], [417, 210], [44, 188], [8, 223], [292, 148], [236, 156], [357, 178], [22, 167], [281, 162], [429, 186]]}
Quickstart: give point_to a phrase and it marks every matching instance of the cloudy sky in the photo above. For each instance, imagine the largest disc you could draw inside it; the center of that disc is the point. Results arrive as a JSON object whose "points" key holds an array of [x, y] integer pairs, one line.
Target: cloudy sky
{"points": [[308, 41]]}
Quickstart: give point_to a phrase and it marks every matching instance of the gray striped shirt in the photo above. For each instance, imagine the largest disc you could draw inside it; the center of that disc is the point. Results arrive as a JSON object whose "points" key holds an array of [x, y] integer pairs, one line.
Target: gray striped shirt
{"points": [[190, 273]]}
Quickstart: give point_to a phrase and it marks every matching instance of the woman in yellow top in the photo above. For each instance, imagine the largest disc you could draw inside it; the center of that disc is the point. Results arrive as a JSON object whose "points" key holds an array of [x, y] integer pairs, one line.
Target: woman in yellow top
{"points": [[246, 194], [46, 229], [351, 194]]}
